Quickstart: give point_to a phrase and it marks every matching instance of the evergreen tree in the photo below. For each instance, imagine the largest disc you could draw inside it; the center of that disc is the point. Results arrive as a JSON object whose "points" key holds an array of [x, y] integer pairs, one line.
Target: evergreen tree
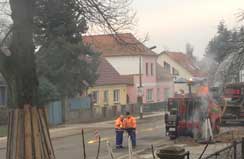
{"points": [[222, 44]]}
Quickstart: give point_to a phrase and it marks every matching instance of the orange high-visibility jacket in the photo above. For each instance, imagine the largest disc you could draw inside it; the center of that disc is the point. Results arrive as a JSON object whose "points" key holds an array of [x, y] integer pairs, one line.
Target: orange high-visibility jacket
{"points": [[119, 123], [203, 90], [130, 122]]}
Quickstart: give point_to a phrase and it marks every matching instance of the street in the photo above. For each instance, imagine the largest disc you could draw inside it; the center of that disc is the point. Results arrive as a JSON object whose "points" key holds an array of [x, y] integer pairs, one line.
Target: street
{"points": [[149, 130]]}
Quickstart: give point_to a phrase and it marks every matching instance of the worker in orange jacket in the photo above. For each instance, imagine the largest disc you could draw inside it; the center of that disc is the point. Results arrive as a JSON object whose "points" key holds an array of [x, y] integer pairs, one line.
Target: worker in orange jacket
{"points": [[119, 131], [130, 126]]}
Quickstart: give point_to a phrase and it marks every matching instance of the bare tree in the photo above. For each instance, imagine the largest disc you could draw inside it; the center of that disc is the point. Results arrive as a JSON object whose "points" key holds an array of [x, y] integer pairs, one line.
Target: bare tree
{"points": [[28, 136]]}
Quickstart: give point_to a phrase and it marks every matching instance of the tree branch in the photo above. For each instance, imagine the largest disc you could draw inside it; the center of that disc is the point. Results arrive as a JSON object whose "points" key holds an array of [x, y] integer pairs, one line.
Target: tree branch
{"points": [[6, 36]]}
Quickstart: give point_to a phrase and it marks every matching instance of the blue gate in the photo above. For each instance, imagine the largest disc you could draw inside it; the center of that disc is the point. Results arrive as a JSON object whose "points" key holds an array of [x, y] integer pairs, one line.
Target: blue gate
{"points": [[55, 113]]}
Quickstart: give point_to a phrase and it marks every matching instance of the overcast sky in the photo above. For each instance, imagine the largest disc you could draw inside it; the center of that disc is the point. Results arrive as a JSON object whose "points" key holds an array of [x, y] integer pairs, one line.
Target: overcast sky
{"points": [[172, 23]]}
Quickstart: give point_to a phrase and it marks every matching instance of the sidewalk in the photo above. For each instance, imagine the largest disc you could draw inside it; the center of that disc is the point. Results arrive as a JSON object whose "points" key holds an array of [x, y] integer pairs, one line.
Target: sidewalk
{"points": [[74, 129]]}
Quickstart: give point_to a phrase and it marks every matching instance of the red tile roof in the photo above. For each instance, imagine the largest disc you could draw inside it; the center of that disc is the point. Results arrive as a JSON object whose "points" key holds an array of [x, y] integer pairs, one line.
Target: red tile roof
{"points": [[187, 63], [117, 45], [109, 76]]}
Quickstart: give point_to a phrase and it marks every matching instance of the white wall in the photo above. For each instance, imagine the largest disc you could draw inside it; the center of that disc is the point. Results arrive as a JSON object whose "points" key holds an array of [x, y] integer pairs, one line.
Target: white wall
{"points": [[125, 65]]}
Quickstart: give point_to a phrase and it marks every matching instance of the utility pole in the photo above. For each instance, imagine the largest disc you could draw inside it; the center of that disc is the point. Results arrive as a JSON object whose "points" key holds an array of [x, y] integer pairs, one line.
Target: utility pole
{"points": [[140, 90]]}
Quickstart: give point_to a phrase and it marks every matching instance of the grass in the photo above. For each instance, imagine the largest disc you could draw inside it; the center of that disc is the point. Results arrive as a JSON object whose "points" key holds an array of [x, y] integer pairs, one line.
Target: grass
{"points": [[3, 131]]}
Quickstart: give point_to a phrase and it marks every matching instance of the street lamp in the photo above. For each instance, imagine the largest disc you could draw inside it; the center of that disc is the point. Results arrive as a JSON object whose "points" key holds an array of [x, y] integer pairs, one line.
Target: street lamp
{"points": [[140, 90], [189, 82]]}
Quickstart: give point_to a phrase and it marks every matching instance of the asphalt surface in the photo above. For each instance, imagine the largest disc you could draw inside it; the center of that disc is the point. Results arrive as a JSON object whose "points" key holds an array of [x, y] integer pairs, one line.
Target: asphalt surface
{"points": [[149, 130]]}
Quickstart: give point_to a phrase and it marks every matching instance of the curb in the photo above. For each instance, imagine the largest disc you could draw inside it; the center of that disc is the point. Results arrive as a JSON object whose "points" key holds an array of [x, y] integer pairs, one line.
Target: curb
{"points": [[76, 127]]}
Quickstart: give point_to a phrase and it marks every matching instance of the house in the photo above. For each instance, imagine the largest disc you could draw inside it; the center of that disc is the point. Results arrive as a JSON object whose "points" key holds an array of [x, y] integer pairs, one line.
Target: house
{"points": [[182, 68], [110, 88], [130, 57]]}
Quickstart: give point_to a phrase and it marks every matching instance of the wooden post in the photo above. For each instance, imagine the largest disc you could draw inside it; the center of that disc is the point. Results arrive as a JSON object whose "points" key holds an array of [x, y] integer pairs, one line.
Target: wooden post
{"points": [[83, 143], [235, 150], [28, 135], [98, 149], [242, 147], [28, 132]]}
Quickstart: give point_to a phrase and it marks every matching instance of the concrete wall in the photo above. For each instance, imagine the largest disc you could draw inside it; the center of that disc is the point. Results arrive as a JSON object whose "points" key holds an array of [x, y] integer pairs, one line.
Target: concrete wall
{"points": [[125, 65]]}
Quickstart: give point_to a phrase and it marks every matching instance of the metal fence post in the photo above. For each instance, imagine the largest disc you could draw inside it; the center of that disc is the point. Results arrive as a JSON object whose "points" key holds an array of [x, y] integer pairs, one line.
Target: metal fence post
{"points": [[242, 147], [234, 147]]}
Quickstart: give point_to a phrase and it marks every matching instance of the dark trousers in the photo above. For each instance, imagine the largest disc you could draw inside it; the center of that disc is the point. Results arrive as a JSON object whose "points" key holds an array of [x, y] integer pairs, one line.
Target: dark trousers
{"points": [[119, 138], [132, 134]]}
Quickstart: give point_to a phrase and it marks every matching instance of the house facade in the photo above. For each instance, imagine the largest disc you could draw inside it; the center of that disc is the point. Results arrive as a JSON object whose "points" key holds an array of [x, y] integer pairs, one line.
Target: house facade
{"points": [[182, 68], [129, 57], [110, 88]]}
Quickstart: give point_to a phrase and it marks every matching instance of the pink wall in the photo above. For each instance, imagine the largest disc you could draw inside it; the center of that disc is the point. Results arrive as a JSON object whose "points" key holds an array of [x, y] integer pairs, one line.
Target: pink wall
{"points": [[149, 82]]}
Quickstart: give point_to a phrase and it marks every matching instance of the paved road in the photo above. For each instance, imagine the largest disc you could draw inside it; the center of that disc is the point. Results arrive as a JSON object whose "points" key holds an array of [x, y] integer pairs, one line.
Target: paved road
{"points": [[149, 130]]}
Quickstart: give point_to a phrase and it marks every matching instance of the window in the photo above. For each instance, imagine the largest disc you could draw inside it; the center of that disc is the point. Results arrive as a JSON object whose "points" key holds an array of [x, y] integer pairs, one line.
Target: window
{"points": [[150, 95], [105, 97], [175, 72], [241, 75], [152, 69], [166, 94], [158, 94], [147, 69], [95, 96], [167, 67], [116, 96], [3, 97]]}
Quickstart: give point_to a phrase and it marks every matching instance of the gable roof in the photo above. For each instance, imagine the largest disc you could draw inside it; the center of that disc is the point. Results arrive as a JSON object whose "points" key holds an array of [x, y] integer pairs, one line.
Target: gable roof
{"points": [[107, 75], [117, 45], [186, 62]]}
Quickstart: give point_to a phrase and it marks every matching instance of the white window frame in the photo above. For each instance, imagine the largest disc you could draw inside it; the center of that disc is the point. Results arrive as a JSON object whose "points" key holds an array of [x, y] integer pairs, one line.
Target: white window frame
{"points": [[241, 75], [105, 96], [116, 95], [149, 95]]}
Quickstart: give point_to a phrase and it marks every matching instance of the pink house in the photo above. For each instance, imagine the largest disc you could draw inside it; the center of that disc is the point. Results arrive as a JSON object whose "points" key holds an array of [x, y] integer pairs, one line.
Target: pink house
{"points": [[130, 57]]}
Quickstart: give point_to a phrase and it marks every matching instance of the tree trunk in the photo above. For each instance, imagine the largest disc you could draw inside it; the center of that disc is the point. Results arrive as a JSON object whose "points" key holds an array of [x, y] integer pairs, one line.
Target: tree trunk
{"points": [[28, 135]]}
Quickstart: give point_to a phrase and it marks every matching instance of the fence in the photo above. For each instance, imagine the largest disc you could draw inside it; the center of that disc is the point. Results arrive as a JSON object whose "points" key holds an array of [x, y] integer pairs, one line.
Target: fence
{"points": [[160, 106], [233, 151]]}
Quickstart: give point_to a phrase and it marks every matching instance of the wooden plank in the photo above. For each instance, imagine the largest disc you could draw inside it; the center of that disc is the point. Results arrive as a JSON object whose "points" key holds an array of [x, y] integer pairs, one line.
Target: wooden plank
{"points": [[36, 133], [21, 134], [16, 136], [13, 134], [9, 142], [28, 133], [44, 150], [45, 131], [47, 128]]}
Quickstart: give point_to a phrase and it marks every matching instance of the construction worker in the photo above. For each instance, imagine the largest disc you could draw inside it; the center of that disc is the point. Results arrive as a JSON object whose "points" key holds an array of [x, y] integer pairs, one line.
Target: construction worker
{"points": [[119, 131], [130, 126]]}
